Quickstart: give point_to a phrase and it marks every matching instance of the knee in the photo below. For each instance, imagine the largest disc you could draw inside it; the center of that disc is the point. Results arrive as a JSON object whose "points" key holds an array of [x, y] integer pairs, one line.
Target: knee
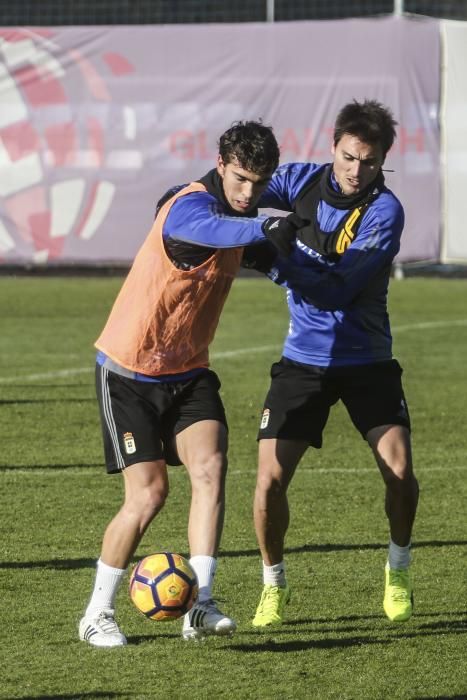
{"points": [[269, 482], [148, 501], [399, 475], [209, 471], [156, 496]]}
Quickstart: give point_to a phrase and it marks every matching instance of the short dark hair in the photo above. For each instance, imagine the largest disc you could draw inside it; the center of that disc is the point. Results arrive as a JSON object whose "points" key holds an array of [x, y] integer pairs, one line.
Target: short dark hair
{"points": [[371, 121], [252, 144]]}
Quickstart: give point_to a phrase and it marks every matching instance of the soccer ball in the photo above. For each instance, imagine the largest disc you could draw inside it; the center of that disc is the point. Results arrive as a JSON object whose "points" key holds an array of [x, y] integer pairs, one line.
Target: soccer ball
{"points": [[163, 586]]}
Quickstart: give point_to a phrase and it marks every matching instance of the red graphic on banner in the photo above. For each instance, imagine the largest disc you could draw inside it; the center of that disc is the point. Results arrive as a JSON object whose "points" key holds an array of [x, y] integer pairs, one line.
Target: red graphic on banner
{"points": [[47, 149]]}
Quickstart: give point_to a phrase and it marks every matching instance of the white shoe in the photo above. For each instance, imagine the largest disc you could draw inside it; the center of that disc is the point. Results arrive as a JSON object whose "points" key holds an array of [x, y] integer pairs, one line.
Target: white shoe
{"points": [[101, 630], [205, 619]]}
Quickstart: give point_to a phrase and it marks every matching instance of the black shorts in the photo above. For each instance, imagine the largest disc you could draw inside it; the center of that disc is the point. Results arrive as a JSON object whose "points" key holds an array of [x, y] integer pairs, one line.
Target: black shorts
{"points": [[300, 397], [140, 419]]}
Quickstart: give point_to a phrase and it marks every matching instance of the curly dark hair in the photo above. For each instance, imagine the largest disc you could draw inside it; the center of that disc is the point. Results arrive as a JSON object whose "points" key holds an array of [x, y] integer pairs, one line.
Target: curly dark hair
{"points": [[252, 144], [371, 121]]}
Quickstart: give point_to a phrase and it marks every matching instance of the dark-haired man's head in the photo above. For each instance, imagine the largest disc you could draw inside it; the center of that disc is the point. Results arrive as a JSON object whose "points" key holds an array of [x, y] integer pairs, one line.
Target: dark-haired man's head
{"points": [[248, 156], [363, 134]]}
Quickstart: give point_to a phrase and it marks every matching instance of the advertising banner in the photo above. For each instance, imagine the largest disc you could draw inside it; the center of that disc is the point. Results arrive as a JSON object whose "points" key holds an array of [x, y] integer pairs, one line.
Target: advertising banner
{"points": [[96, 123]]}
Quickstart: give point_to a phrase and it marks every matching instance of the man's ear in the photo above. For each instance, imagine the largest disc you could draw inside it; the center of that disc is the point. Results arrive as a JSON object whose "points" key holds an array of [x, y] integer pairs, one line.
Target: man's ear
{"points": [[220, 165], [333, 149]]}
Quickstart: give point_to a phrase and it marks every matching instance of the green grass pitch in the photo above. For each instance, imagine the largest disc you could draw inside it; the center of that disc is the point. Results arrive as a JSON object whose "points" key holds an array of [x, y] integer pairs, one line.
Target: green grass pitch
{"points": [[336, 642]]}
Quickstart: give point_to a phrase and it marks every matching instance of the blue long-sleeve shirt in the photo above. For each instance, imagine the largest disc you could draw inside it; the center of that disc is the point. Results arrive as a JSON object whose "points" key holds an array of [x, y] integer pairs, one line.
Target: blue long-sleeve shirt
{"points": [[201, 219], [338, 310]]}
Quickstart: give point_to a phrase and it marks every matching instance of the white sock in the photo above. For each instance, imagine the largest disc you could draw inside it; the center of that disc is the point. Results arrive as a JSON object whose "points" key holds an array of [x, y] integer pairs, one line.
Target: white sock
{"points": [[106, 585], [204, 568], [398, 557], [275, 574]]}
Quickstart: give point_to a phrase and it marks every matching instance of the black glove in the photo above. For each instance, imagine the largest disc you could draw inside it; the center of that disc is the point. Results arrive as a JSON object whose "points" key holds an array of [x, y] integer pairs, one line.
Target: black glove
{"points": [[282, 231], [259, 256]]}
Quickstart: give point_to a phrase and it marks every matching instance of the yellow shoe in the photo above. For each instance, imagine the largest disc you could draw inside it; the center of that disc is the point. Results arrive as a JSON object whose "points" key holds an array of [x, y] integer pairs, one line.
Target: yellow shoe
{"points": [[271, 606], [398, 595]]}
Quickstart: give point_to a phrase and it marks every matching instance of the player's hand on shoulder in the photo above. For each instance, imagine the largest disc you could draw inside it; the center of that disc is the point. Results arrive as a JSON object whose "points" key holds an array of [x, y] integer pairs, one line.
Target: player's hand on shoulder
{"points": [[281, 231]]}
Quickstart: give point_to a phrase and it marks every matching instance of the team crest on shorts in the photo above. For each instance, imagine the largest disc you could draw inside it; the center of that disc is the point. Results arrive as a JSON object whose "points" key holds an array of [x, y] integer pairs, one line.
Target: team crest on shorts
{"points": [[130, 445], [265, 418]]}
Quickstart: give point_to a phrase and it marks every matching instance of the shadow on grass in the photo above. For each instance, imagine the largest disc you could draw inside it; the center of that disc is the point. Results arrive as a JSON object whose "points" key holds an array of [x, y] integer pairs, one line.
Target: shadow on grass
{"points": [[73, 696], [51, 467], [439, 697], [50, 564], [459, 625], [346, 547], [84, 563], [67, 399], [7, 386], [304, 645], [390, 635], [452, 623], [342, 547], [418, 617], [143, 639], [363, 618]]}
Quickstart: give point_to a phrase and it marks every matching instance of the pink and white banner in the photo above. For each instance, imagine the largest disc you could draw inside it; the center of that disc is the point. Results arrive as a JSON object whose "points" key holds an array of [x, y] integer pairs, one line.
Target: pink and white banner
{"points": [[97, 122]]}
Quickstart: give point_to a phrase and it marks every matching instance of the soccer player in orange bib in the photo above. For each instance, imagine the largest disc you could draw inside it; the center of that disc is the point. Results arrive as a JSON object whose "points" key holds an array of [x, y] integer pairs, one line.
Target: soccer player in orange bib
{"points": [[159, 401]]}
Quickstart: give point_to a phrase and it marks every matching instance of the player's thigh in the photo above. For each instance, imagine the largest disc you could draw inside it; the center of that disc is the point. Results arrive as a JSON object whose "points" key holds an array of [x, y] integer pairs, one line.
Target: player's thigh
{"points": [[374, 396], [145, 476], [297, 405], [201, 442], [391, 447], [200, 429], [129, 421], [278, 460]]}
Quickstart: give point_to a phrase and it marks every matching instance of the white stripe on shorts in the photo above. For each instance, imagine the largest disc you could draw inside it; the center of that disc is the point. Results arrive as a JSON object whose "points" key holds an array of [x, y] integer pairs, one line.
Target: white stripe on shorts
{"points": [[109, 419]]}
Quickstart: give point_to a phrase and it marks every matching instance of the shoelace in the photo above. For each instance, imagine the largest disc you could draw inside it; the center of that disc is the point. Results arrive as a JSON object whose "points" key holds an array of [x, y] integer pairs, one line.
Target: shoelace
{"points": [[399, 582], [107, 622], [269, 599]]}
